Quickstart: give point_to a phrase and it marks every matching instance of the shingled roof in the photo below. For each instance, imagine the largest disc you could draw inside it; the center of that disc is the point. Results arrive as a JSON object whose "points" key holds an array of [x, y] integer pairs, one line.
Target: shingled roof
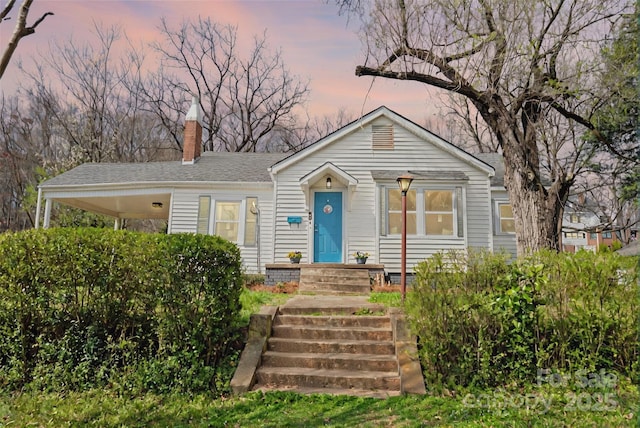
{"points": [[211, 167], [497, 162]]}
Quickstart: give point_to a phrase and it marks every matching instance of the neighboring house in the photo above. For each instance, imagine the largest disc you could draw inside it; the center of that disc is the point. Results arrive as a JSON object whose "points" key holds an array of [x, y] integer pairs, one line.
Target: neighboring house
{"points": [[329, 200], [584, 228]]}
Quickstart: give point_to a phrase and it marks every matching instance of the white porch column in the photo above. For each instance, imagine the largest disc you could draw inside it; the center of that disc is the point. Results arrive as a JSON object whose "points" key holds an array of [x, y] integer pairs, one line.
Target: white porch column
{"points": [[38, 205], [47, 213], [116, 224]]}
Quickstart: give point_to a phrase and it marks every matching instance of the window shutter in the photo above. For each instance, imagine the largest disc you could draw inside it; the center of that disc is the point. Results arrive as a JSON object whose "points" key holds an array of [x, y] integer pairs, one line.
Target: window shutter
{"points": [[251, 222], [204, 207], [382, 137], [383, 211], [459, 211]]}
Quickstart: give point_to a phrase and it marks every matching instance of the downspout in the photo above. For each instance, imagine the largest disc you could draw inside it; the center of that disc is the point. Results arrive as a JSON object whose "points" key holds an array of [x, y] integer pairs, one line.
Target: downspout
{"points": [[255, 210], [273, 214]]}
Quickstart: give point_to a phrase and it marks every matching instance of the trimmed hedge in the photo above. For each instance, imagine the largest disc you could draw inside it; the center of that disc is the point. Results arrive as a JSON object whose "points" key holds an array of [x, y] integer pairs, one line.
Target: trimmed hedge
{"points": [[83, 308], [484, 322]]}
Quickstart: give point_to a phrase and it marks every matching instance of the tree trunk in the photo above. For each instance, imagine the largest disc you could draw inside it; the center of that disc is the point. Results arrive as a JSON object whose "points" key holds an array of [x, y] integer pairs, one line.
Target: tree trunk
{"points": [[537, 206]]}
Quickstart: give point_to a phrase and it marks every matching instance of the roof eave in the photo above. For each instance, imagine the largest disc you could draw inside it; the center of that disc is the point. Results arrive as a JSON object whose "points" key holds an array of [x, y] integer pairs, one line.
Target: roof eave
{"points": [[154, 185]]}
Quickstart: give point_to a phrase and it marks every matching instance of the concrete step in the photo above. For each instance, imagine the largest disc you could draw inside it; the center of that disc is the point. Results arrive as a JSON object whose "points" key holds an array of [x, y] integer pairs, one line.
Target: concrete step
{"points": [[320, 270], [319, 306], [333, 345], [334, 321], [347, 276], [331, 280], [324, 333], [333, 288], [322, 378], [335, 361], [280, 344], [333, 391]]}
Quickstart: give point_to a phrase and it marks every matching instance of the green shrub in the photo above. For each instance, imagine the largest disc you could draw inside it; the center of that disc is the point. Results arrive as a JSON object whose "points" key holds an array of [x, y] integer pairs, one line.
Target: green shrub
{"points": [[484, 322], [82, 308], [250, 279]]}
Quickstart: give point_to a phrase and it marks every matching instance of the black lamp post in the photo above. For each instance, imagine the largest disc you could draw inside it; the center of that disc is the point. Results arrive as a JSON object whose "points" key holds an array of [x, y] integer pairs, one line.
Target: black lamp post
{"points": [[404, 181]]}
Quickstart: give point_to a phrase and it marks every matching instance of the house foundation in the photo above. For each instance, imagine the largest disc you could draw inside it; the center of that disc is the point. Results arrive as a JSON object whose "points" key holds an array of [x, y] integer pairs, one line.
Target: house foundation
{"points": [[290, 272]]}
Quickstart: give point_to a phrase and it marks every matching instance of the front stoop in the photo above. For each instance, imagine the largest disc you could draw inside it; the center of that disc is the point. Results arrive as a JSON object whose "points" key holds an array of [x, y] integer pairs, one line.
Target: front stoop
{"points": [[333, 280], [320, 344]]}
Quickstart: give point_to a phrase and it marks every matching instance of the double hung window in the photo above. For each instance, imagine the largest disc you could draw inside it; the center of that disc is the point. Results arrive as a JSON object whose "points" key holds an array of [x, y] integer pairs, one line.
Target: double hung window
{"points": [[233, 220], [430, 211], [506, 223]]}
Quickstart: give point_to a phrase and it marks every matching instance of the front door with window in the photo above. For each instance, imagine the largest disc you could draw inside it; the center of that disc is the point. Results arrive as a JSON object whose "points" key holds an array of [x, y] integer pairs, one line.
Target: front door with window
{"points": [[327, 234]]}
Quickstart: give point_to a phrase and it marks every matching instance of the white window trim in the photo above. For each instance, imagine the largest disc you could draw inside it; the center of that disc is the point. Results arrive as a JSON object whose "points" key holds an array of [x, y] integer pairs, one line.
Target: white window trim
{"points": [[242, 220], [421, 211], [497, 218]]}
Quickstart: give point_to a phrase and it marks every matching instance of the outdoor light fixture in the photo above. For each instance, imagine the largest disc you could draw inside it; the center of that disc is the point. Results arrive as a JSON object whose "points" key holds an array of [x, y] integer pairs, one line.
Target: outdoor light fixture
{"points": [[404, 181], [328, 183], [156, 204]]}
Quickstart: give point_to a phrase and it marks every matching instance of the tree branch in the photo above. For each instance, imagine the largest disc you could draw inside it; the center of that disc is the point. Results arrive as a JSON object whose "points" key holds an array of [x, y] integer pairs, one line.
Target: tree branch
{"points": [[7, 9], [584, 122], [465, 90], [20, 30]]}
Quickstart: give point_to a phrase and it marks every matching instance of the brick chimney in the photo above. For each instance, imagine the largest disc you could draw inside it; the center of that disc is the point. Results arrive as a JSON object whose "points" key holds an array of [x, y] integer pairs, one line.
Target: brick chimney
{"points": [[192, 144]]}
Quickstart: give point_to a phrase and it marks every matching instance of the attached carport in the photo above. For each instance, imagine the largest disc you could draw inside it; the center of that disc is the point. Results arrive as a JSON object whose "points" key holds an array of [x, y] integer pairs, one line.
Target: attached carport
{"points": [[119, 203], [121, 191]]}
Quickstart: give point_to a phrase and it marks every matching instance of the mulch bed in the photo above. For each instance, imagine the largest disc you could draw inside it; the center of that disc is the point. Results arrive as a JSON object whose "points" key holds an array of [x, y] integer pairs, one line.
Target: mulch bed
{"points": [[386, 288], [281, 288]]}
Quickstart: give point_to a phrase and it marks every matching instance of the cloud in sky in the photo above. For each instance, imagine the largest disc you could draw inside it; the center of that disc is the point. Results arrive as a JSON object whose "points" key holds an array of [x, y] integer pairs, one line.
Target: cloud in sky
{"points": [[316, 44]]}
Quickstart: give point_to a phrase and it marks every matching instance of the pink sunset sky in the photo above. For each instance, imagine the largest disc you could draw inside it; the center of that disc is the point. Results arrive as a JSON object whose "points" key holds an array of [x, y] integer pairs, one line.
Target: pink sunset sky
{"points": [[316, 42]]}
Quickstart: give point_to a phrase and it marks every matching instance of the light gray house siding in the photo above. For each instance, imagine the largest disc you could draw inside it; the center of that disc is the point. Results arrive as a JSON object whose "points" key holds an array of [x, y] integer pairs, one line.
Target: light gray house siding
{"points": [[184, 217], [502, 241], [363, 211]]}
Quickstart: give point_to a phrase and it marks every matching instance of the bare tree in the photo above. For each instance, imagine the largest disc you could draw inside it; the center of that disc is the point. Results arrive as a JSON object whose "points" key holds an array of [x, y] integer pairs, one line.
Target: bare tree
{"points": [[526, 66], [20, 30], [243, 99], [97, 117], [297, 136], [73, 107]]}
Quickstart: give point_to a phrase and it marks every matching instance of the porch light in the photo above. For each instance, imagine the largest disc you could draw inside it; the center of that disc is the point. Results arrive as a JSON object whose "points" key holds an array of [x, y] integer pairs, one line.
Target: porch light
{"points": [[328, 184], [156, 204], [404, 181]]}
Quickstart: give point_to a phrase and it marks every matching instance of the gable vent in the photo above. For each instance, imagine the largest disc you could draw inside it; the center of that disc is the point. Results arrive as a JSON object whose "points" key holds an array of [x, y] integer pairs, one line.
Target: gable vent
{"points": [[382, 137]]}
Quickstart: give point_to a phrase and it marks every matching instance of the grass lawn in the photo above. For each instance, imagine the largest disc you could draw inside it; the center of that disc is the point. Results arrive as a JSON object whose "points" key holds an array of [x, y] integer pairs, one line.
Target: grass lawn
{"points": [[280, 409]]}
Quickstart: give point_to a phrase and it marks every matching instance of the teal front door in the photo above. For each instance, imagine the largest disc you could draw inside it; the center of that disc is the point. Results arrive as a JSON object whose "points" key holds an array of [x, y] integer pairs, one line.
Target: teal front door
{"points": [[327, 233]]}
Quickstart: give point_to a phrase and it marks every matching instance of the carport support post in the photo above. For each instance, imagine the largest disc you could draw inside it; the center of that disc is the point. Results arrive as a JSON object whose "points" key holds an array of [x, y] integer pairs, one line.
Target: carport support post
{"points": [[47, 213], [38, 208]]}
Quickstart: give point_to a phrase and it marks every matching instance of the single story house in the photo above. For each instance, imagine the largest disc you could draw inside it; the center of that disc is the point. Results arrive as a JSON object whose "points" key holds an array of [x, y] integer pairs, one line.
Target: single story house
{"points": [[329, 200]]}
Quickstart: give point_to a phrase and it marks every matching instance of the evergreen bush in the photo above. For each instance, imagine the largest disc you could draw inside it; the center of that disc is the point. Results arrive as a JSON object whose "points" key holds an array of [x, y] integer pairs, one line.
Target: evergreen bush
{"points": [[83, 308]]}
